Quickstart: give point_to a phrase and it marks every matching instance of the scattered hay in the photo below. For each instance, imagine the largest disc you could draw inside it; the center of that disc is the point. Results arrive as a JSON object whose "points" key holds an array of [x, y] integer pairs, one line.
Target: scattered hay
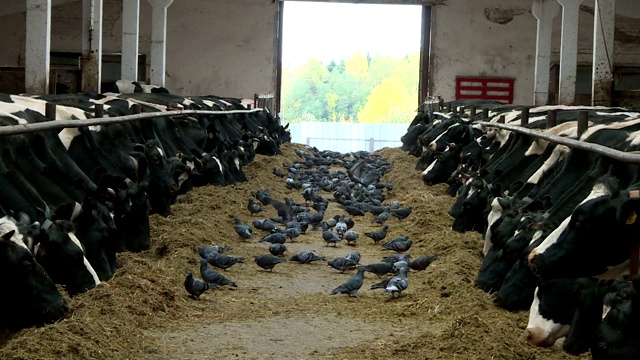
{"points": [[145, 313]]}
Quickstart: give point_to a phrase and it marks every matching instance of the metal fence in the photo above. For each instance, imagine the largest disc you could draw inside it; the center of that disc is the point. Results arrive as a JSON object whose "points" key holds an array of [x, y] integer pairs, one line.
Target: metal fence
{"points": [[348, 137]]}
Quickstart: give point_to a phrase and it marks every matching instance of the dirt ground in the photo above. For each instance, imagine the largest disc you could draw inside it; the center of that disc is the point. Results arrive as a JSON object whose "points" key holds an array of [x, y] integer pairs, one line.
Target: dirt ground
{"points": [[144, 312]]}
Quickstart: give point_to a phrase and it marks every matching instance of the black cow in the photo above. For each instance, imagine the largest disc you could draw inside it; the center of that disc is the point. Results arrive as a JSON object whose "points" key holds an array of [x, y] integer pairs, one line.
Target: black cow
{"points": [[31, 297]]}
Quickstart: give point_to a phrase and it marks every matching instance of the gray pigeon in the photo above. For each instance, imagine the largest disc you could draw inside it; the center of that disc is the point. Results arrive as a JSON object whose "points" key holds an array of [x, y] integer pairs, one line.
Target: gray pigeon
{"points": [[379, 269], [253, 207], [398, 246], [341, 226], [422, 262], [351, 236], [264, 225], [330, 237], [342, 264], [275, 238], [378, 235], [381, 285], [293, 233], [396, 257], [212, 276], [402, 213], [398, 265], [397, 284], [380, 219], [352, 285], [277, 249], [244, 231], [196, 287], [355, 256], [215, 249], [268, 261], [306, 257], [223, 261]]}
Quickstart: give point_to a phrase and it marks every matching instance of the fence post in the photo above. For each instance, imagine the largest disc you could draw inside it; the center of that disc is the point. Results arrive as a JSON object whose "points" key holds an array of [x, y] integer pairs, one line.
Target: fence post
{"points": [[583, 122], [449, 107], [472, 113], [371, 145], [50, 111], [485, 114], [552, 116], [524, 116], [98, 110], [308, 141]]}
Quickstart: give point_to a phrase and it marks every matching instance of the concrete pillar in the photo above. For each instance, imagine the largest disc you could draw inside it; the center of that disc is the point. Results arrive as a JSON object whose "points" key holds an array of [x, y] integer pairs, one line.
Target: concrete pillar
{"points": [[130, 26], [569, 51], [603, 25], [544, 11], [158, 40], [38, 45], [91, 63]]}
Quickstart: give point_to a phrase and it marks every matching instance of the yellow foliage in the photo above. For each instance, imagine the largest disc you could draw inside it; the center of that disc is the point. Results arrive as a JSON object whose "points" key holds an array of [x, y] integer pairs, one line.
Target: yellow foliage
{"points": [[357, 65], [389, 102]]}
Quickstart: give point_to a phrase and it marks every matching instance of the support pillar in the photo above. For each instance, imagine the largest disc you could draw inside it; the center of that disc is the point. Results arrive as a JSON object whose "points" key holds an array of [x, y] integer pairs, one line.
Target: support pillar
{"points": [[91, 63], [158, 40], [130, 28], [602, 75], [544, 11], [569, 51], [37, 48]]}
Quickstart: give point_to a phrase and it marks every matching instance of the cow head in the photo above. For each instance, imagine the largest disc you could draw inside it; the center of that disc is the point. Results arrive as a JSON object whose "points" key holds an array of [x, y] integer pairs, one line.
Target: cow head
{"points": [[33, 298], [581, 245]]}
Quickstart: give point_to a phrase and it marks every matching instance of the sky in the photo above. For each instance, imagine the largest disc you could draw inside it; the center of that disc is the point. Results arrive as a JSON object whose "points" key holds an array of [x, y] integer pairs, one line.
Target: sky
{"points": [[334, 31]]}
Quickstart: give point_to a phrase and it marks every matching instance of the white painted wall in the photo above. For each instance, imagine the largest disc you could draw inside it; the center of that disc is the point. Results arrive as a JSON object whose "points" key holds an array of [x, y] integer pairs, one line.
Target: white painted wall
{"points": [[226, 47]]}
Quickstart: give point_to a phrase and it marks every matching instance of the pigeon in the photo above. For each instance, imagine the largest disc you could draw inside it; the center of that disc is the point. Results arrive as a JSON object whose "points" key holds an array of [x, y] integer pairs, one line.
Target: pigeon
{"points": [[397, 239], [264, 225], [330, 237], [380, 219], [253, 207], [422, 262], [353, 210], [196, 287], [215, 249], [351, 236], [341, 227], [279, 174], [398, 246], [399, 265], [277, 249], [379, 269], [355, 256], [244, 231], [292, 233], [396, 257], [332, 222], [268, 261], [381, 285], [275, 238], [262, 195], [223, 261], [350, 223], [342, 264], [352, 285], [378, 235], [397, 284], [306, 257], [402, 213], [212, 276]]}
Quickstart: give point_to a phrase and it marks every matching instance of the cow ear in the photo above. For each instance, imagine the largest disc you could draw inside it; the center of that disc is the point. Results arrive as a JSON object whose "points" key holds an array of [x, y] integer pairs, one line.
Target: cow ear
{"points": [[631, 207], [7, 236]]}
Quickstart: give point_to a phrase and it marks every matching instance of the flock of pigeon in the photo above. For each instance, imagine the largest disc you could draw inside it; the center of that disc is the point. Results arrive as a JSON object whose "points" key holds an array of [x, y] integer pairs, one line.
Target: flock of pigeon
{"points": [[357, 190]]}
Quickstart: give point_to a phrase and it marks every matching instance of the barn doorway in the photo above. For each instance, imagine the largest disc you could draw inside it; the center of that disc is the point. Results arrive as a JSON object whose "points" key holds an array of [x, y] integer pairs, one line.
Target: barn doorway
{"points": [[354, 63]]}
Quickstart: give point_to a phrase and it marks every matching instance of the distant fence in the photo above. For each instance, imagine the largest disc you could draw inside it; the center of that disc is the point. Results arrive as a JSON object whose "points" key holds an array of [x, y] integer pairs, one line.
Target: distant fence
{"points": [[348, 137]]}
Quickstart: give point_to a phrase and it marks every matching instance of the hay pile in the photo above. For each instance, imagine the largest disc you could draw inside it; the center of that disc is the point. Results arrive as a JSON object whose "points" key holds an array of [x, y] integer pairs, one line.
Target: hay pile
{"points": [[145, 313]]}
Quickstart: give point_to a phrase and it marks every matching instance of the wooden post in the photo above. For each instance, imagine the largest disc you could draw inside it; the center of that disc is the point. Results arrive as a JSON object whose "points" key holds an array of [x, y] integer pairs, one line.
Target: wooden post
{"points": [[552, 116], [485, 113], [524, 116], [449, 107], [472, 113], [50, 111], [98, 110], [583, 122]]}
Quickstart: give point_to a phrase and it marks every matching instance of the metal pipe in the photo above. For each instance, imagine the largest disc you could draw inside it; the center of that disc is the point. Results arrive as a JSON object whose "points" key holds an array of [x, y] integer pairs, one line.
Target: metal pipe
{"points": [[61, 124], [630, 157]]}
